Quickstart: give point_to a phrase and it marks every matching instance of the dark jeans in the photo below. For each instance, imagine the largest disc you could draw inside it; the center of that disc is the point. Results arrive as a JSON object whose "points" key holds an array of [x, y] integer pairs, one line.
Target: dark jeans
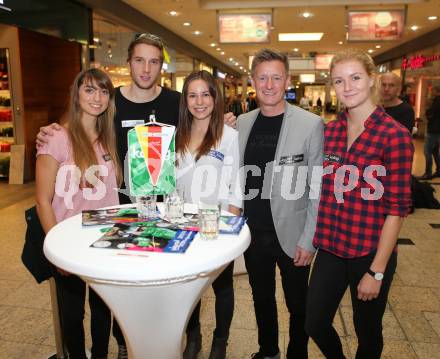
{"points": [[431, 149], [330, 278], [72, 293], [224, 304], [261, 258]]}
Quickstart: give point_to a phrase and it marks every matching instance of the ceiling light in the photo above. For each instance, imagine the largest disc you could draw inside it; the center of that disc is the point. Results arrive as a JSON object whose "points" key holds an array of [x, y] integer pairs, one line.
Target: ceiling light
{"points": [[340, 42], [241, 67], [173, 13], [187, 23], [222, 53], [378, 46], [304, 36], [370, 51], [295, 49], [197, 32], [218, 49], [306, 14], [96, 39], [414, 28], [236, 64], [231, 59], [213, 44], [432, 18]]}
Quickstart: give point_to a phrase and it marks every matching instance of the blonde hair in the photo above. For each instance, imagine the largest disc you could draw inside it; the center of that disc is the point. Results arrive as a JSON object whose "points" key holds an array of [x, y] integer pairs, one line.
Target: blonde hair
{"points": [[364, 59], [82, 148]]}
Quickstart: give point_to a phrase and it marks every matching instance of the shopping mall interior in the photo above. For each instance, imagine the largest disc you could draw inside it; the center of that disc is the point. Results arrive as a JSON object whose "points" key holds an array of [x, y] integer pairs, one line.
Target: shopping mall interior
{"points": [[44, 44]]}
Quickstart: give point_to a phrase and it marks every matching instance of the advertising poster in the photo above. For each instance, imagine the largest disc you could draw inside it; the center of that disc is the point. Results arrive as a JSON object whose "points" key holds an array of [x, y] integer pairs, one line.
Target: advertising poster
{"points": [[375, 25], [244, 28]]}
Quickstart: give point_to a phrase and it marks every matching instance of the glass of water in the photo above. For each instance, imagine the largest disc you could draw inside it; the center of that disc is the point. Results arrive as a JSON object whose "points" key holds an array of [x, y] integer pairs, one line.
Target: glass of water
{"points": [[146, 206], [174, 206], [209, 218]]}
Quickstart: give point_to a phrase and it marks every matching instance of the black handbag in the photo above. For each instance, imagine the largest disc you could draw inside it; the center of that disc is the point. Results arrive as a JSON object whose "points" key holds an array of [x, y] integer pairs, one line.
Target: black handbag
{"points": [[32, 256]]}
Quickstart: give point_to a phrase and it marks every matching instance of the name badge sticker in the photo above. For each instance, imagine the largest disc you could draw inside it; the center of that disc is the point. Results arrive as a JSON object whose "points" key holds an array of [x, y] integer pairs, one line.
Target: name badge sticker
{"points": [[132, 123], [331, 157], [216, 154], [288, 160]]}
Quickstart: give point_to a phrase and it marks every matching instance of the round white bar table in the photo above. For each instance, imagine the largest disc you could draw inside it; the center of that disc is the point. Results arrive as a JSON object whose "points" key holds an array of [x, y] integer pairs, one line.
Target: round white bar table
{"points": [[151, 294]]}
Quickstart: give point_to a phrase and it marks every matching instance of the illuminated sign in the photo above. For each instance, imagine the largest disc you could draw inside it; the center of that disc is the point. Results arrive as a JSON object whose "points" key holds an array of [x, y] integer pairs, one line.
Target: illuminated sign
{"points": [[221, 75], [307, 78], [418, 61], [375, 25], [322, 61], [244, 28]]}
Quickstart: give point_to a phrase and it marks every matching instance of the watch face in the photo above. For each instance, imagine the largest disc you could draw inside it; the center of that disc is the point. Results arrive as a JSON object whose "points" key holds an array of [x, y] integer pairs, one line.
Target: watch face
{"points": [[378, 276]]}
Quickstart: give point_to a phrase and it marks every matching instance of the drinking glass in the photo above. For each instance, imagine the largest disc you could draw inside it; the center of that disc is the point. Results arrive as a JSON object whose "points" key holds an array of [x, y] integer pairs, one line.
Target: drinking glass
{"points": [[174, 206], [209, 218], [146, 206]]}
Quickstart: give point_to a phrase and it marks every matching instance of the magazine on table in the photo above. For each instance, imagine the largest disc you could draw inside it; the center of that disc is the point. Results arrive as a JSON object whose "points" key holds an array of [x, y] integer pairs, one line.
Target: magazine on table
{"points": [[189, 222], [137, 237], [110, 216]]}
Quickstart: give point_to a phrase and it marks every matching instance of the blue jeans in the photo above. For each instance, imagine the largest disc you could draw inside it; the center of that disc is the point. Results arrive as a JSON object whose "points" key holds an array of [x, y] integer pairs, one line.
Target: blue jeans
{"points": [[431, 149]]}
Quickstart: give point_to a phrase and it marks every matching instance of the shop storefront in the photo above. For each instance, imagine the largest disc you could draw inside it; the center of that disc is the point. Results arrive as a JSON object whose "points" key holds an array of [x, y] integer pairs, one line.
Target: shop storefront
{"points": [[420, 72], [39, 57]]}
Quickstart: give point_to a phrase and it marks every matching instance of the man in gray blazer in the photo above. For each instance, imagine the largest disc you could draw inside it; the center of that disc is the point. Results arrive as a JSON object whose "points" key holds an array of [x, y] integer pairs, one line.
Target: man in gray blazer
{"points": [[281, 149]]}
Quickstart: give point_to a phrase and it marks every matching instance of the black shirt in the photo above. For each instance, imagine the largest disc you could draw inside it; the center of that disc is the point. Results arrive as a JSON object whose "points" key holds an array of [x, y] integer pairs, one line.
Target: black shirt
{"points": [[166, 110], [402, 113], [433, 116], [260, 149]]}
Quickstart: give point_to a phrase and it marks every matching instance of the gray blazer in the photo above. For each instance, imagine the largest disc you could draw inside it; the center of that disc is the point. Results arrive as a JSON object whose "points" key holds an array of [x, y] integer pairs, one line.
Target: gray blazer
{"points": [[293, 179]]}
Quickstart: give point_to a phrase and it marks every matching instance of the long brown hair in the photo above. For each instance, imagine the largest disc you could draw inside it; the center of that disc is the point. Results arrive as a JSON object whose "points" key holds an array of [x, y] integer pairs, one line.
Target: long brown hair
{"points": [[215, 128], [82, 148]]}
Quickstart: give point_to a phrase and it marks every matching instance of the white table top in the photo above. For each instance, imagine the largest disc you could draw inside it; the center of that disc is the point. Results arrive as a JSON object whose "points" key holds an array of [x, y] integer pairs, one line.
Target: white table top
{"points": [[67, 245]]}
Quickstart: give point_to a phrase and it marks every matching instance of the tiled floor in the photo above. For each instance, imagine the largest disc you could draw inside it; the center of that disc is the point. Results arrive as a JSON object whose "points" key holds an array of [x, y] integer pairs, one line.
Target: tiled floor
{"points": [[411, 321]]}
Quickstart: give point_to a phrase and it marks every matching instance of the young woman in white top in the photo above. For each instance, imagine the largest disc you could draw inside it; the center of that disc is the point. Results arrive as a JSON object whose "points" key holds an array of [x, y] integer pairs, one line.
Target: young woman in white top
{"points": [[207, 170], [81, 158]]}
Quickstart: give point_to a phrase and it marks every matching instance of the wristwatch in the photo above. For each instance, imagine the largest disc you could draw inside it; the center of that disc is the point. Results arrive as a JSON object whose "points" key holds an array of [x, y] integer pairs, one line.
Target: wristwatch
{"points": [[375, 275]]}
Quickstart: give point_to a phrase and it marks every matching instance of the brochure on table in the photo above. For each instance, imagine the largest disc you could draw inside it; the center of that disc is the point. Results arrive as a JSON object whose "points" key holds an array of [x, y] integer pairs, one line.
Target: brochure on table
{"points": [[129, 216], [145, 238], [158, 235]]}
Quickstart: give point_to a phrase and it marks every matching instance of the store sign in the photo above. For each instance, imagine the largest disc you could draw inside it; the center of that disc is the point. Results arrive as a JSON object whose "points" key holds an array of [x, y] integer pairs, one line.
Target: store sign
{"points": [[375, 25], [418, 61]]}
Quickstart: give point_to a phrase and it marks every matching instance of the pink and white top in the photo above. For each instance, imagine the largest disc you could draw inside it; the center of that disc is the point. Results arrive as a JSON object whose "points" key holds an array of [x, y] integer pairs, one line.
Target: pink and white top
{"points": [[69, 199]]}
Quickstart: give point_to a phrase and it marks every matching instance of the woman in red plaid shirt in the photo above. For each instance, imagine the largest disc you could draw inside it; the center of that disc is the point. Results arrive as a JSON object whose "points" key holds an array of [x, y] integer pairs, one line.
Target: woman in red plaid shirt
{"points": [[365, 196]]}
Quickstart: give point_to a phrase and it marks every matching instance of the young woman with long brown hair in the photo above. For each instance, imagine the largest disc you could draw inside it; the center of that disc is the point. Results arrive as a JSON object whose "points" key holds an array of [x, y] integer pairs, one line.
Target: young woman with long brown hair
{"points": [[207, 170], [78, 169]]}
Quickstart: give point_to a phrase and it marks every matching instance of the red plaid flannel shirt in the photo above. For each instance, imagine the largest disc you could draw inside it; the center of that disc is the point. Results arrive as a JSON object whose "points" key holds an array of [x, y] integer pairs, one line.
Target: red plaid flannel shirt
{"points": [[355, 197]]}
